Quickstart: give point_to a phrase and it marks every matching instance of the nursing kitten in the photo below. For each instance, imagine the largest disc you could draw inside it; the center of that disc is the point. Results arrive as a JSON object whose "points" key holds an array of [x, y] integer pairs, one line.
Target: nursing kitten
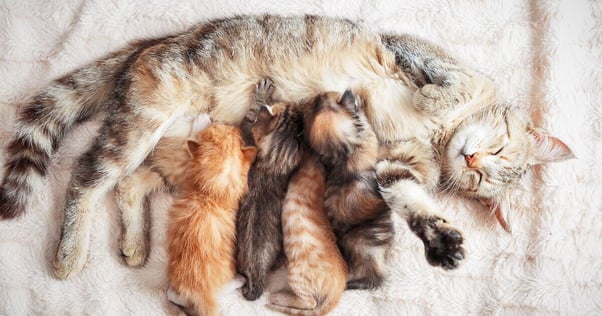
{"points": [[317, 272], [337, 129], [276, 130], [163, 169], [202, 231], [411, 88]]}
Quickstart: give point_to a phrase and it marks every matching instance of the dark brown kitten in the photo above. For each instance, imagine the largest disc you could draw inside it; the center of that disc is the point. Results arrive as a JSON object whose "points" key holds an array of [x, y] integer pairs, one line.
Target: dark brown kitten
{"points": [[276, 129], [337, 129]]}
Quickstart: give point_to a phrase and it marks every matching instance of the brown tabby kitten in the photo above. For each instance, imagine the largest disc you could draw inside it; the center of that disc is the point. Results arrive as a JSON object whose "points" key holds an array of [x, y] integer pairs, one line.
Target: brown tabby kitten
{"points": [[337, 129], [317, 272], [415, 94], [276, 129], [201, 231]]}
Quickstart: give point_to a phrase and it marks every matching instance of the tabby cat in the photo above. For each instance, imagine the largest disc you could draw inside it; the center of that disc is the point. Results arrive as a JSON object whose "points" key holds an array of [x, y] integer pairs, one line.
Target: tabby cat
{"points": [[337, 129], [317, 272], [276, 129], [414, 93], [201, 232]]}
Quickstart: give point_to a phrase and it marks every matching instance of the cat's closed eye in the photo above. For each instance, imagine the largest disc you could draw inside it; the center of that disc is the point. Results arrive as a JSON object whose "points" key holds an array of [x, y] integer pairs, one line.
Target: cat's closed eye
{"points": [[497, 152]]}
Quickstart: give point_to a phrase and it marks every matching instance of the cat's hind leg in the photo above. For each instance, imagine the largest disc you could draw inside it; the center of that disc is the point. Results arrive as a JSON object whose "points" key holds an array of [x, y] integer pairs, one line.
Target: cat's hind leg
{"points": [[125, 140], [132, 201], [287, 302], [444, 84]]}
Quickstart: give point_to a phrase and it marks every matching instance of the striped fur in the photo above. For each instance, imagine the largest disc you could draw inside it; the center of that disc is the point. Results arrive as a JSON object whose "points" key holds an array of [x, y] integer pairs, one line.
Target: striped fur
{"points": [[317, 271], [337, 129], [277, 136], [411, 89], [163, 169]]}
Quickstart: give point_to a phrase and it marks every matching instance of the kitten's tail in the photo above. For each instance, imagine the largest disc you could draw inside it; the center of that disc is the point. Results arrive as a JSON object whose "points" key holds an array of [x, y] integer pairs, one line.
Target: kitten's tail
{"points": [[42, 123], [323, 307]]}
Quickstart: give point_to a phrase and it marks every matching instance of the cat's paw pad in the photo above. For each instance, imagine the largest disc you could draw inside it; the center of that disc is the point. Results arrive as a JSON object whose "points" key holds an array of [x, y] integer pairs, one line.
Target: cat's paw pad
{"points": [[135, 251], [442, 242], [263, 91], [68, 261]]}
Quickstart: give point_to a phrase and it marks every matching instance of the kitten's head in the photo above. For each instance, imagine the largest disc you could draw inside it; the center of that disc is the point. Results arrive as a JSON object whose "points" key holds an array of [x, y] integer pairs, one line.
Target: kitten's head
{"points": [[262, 120], [220, 161], [330, 125], [489, 152]]}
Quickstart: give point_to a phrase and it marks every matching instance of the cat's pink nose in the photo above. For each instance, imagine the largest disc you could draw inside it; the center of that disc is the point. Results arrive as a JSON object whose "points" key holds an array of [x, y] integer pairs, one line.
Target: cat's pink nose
{"points": [[470, 159]]}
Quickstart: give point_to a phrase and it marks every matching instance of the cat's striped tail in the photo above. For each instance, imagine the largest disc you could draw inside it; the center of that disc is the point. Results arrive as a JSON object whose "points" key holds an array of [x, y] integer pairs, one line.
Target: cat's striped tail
{"points": [[42, 123]]}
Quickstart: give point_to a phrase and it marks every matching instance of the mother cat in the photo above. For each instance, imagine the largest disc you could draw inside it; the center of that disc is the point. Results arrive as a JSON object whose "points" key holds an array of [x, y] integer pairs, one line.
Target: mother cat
{"points": [[407, 85]]}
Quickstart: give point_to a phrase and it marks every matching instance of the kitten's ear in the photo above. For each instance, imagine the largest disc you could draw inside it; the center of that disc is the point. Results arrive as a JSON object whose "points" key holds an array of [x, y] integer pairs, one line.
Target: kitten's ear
{"points": [[249, 153], [192, 146], [348, 101], [547, 148]]}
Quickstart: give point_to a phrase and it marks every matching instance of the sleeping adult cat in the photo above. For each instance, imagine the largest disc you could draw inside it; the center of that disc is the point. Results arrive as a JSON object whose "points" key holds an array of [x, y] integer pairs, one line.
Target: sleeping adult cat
{"points": [[411, 89]]}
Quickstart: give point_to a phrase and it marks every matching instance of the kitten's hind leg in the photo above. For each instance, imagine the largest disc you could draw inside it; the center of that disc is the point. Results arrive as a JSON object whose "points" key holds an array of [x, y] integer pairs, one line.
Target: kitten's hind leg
{"points": [[132, 201], [284, 300], [365, 248], [117, 151]]}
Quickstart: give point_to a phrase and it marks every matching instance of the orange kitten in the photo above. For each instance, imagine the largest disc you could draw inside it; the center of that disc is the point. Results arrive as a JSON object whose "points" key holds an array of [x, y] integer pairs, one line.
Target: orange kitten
{"points": [[201, 232], [317, 272]]}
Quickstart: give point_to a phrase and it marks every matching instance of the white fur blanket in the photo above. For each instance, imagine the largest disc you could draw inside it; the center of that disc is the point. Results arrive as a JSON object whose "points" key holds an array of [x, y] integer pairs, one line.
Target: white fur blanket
{"points": [[544, 55]]}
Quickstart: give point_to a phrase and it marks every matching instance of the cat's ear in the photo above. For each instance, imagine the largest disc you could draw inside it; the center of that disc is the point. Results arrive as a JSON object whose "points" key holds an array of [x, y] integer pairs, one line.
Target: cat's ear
{"points": [[191, 146], [249, 153], [547, 148], [348, 101]]}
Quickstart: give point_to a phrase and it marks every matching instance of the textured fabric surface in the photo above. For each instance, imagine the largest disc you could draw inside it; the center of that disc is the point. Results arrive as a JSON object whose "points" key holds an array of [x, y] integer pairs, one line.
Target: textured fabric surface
{"points": [[543, 55]]}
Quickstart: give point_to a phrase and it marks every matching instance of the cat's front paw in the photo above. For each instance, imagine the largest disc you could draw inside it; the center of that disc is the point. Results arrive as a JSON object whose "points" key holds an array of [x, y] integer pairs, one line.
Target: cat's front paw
{"points": [[442, 242], [70, 258], [135, 250]]}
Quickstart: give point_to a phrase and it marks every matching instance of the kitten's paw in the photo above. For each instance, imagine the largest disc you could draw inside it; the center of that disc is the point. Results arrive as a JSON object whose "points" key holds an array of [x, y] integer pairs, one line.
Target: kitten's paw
{"points": [[135, 251], [175, 298], [263, 91], [251, 291], [238, 281], [70, 259], [442, 242]]}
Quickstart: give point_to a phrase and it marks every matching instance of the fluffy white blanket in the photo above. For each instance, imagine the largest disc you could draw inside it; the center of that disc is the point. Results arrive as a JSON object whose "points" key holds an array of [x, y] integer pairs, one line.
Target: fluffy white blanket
{"points": [[544, 56]]}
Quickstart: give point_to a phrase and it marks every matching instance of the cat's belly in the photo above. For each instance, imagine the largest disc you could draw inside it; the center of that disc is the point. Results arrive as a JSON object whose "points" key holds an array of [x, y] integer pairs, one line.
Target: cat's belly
{"points": [[388, 100]]}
